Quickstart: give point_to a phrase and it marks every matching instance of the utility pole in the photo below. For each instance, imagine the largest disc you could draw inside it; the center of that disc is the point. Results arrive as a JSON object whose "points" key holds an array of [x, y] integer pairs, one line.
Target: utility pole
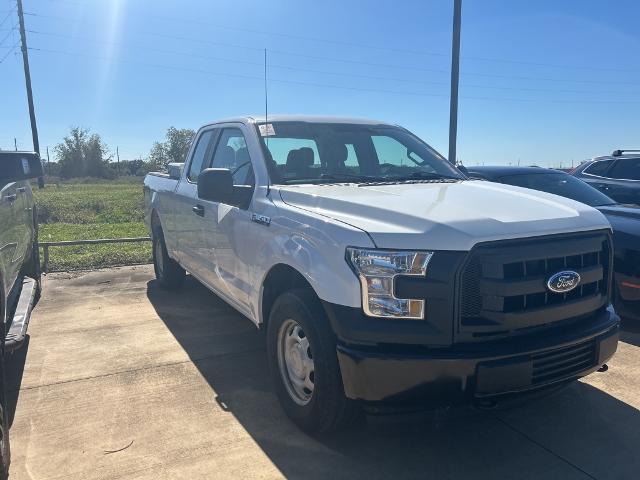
{"points": [[48, 162], [27, 79], [455, 79], [15, 143]]}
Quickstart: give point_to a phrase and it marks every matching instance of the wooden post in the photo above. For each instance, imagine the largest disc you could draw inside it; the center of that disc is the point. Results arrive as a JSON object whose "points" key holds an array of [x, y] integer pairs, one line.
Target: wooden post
{"points": [[45, 267], [27, 80]]}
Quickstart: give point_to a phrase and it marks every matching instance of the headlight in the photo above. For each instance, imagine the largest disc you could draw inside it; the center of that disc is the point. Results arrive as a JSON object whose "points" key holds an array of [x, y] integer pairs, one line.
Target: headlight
{"points": [[377, 270]]}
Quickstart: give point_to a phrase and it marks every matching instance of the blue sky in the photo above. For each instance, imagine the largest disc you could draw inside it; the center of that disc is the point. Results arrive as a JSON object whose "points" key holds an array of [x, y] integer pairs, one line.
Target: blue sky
{"points": [[542, 82]]}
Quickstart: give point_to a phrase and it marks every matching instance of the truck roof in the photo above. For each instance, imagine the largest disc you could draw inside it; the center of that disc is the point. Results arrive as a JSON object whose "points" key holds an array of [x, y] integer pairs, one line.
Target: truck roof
{"points": [[298, 118]]}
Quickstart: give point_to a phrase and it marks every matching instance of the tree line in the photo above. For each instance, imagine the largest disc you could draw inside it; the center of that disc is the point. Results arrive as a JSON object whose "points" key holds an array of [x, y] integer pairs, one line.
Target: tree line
{"points": [[84, 154]]}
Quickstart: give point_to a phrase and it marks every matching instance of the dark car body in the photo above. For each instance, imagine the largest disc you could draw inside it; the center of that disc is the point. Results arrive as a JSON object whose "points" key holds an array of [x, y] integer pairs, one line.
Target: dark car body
{"points": [[617, 176], [624, 219], [19, 266]]}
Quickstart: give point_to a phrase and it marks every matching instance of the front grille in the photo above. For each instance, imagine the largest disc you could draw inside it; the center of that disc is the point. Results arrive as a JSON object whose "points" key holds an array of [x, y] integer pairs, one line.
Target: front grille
{"points": [[504, 284], [563, 363]]}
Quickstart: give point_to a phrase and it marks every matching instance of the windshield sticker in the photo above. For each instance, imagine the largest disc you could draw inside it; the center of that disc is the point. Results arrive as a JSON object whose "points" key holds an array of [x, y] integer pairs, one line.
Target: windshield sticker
{"points": [[266, 130], [25, 166]]}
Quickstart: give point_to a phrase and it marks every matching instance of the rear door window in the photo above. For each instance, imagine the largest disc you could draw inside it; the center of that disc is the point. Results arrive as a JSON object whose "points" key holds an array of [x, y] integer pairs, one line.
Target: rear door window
{"points": [[626, 169], [598, 168], [200, 155]]}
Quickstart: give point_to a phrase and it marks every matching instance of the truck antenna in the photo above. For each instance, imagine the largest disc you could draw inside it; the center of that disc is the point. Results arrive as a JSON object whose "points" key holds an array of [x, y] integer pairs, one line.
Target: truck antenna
{"points": [[266, 111], [266, 97]]}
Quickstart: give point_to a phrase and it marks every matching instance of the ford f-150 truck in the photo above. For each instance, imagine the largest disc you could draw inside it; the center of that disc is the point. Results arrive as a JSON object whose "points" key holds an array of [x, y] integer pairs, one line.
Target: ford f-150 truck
{"points": [[381, 274]]}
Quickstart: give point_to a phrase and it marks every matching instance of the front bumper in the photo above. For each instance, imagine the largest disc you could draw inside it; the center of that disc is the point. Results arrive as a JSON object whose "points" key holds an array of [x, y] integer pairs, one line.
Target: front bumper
{"points": [[464, 372]]}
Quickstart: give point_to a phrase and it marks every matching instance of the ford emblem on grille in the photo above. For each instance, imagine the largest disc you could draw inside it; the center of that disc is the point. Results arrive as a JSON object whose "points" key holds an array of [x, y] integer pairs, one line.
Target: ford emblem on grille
{"points": [[563, 282]]}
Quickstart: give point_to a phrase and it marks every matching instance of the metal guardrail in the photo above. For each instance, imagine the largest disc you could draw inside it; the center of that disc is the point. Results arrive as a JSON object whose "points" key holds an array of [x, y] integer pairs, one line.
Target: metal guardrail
{"points": [[68, 243]]}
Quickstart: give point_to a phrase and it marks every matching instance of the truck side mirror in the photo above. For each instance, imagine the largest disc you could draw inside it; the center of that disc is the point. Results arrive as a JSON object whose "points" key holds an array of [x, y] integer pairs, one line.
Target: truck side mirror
{"points": [[15, 166], [216, 185]]}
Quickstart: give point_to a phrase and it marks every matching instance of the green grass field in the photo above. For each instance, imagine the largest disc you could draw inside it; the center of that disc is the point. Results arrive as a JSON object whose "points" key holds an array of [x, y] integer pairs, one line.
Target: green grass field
{"points": [[82, 211]]}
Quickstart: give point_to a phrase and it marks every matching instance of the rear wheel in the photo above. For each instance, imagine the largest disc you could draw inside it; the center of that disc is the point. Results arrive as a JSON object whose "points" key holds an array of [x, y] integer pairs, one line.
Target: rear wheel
{"points": [[304, 364], [168, 272]]}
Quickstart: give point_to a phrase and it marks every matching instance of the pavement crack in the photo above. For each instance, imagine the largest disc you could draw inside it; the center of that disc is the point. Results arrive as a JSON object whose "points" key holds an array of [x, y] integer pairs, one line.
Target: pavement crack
{"points": [[547, 449], [148, 367]]}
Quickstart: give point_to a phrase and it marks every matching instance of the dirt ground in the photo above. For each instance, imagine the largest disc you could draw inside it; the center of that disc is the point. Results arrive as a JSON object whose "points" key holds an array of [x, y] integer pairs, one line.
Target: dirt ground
{"points": [[121, 380]]}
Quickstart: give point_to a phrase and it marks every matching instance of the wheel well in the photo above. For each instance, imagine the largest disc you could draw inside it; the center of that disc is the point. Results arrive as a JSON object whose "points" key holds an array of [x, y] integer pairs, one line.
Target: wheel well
{"points": [[281, 278], [155, 220]]}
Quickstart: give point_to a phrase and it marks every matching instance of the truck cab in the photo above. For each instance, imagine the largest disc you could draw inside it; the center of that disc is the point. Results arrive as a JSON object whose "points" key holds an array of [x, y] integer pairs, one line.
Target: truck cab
{"points": [[381, 274]]}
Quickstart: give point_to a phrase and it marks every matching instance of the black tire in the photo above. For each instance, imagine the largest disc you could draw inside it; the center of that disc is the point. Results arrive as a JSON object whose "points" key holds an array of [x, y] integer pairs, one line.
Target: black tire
{"points": [[169, 273], [327, 409], [5, 449]]}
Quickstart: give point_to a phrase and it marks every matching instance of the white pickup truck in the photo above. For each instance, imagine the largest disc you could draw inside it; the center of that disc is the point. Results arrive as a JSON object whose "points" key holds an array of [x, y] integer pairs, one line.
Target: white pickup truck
{"points": [[382, 275]]}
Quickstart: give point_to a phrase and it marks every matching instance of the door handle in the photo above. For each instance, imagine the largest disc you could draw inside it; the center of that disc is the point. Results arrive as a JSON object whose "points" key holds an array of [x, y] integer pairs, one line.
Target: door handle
{"points": [[21, 189], [198, 210], [11, 198]]}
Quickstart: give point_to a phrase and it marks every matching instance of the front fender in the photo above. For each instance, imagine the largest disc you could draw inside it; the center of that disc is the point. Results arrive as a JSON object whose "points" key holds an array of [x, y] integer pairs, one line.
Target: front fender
{"points": [[314, 246]]}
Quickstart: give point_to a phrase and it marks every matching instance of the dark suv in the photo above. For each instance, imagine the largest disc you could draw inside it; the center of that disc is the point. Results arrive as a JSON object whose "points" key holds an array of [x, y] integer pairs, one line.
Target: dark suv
{"points": [[617, 175], [19, 266]]}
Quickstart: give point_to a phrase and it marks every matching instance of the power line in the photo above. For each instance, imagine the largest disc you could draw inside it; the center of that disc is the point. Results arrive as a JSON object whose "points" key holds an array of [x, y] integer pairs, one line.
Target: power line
{"points": [[405, 67], [332, 86], [209, 57], [7, 35], [325, 72], [9, 52], [157, 50], [6, 17], [303, 37], [365, 45]]}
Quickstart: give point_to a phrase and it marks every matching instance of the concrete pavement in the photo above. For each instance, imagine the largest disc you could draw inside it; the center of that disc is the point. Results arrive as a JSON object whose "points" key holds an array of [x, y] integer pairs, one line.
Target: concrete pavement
{"points": [[123, 380]]}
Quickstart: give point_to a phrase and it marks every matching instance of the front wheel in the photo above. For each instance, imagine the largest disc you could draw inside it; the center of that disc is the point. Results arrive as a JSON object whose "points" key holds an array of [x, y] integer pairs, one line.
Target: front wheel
{"points": [[304, 365]]}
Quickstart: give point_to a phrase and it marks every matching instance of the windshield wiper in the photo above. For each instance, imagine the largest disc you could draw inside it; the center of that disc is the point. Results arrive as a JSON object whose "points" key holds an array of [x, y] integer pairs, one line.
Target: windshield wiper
{"points": [[348, 176], [427, 176]]}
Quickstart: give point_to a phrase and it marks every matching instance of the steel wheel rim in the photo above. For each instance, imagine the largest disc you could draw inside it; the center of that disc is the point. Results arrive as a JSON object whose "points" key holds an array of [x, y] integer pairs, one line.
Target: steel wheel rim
{"points": [[159, 259], [295, 362]]}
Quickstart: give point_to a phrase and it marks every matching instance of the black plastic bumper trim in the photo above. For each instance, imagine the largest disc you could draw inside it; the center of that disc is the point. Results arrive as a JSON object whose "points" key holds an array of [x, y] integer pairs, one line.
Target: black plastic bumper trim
{"points": [[461, 373]]}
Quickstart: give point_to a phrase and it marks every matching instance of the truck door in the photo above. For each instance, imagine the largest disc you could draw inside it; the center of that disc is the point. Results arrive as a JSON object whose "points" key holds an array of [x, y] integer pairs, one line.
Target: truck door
{"points": [[226, 226], [11, 231], [188, 213]]}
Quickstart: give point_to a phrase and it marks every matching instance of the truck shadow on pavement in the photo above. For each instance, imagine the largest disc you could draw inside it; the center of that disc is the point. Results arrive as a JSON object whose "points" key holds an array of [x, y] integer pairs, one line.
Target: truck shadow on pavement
{"points": [[579, 432]]}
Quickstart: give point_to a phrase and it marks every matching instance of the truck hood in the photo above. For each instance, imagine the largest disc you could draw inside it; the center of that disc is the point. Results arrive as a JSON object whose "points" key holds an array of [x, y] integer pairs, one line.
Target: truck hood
{"points": [[444, 216]]}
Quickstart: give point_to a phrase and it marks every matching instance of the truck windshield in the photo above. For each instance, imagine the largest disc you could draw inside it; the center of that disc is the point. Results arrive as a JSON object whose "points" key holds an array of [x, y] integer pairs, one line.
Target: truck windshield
{"points": [[309, 152], [560, 184]]}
